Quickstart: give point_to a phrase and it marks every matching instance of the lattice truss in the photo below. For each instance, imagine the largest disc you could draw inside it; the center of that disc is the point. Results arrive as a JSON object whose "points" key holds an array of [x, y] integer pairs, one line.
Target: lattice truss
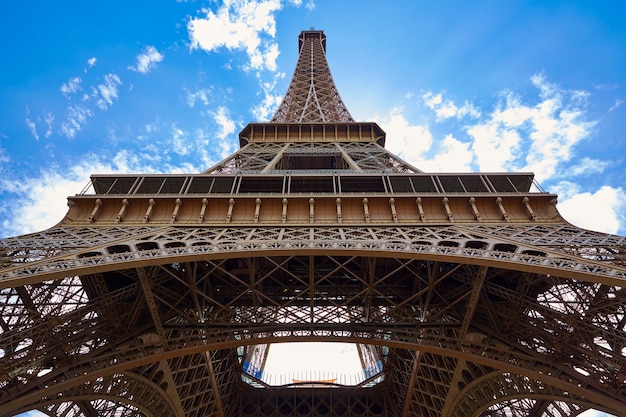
{"points": [[474, 319], [270, 157], [309, 403], [312, 95], [150, 325]]}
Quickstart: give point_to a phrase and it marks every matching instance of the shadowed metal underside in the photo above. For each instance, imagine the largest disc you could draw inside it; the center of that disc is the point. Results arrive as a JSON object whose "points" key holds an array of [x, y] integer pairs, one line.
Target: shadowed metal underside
{"points": [[479, 298]]}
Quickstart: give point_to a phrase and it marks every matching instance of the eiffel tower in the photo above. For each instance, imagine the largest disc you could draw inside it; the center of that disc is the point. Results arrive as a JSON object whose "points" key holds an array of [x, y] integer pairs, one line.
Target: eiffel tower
{"points": [[465, 294]]}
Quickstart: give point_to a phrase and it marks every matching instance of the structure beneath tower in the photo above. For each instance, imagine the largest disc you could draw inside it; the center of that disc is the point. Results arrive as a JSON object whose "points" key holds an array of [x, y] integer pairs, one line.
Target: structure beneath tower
{"points": [[465, 294]]}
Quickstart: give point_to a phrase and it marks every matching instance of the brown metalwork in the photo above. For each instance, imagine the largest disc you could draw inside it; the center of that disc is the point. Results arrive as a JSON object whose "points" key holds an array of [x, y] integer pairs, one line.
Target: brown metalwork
{"points": [[483, 299], [312, 95]]}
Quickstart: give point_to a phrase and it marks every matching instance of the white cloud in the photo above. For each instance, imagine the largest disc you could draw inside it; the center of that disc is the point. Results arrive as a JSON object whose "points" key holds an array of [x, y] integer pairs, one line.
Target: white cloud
{"points": [[147, 60], [270, 56], [90, 63], [161, 142], [445, 109], [107, 92], [240, 25], [77, 115], [452, 156], [495, 145], [407, 141], [31, 126], [75, 119], [72, 86], [48, 118], [618, 103], [599, 210], [608, 86], [267, 107], [227, 127], [4, 157], [558, 125], [516, 136], [537, 138], [152, 127], [226, 124], [588, 166], [415, 144], [44, 191], [22, 213], [204, 150], [126, 161], [180, 141], [201, 95], [565, 189], [270, 102]]}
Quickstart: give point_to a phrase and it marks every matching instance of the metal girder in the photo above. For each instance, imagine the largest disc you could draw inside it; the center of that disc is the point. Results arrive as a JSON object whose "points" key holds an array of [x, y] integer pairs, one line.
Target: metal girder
{"points": [[255, 323], [449, 243], [147, 293], [406, 410], [312, 95], [485, 299]]}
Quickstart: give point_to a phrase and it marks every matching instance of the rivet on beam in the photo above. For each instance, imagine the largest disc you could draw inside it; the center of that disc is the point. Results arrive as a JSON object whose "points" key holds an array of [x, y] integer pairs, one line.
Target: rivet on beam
{"points": [[418, 201], [231, 204], [257, 209], [447, 207], [529, 209], [176, 208], [392, 205], [502, 210], [366, 210], [311, 210], [146, 217], [338, 203], [120, 213], [472, 202], [205, 203], [95, 210], [283, 216]]}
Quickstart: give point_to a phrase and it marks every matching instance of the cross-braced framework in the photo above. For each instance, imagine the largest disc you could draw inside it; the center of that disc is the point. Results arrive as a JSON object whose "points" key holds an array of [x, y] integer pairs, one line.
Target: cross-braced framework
{"points": [[312, 95], [153, 293]]}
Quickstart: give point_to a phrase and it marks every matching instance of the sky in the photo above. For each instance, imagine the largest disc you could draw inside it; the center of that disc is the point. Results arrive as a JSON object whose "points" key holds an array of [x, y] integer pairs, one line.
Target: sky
{"points": [[165, 87]]}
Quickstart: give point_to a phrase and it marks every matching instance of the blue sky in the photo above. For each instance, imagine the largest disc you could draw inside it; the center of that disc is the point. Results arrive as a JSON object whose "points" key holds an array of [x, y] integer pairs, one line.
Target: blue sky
{"points": [[458, 86], [164, 87]]}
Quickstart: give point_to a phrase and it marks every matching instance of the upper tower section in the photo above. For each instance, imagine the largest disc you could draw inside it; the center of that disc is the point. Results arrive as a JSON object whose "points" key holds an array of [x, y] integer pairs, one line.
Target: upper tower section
{"points": [[312, 110], [312, 96]]}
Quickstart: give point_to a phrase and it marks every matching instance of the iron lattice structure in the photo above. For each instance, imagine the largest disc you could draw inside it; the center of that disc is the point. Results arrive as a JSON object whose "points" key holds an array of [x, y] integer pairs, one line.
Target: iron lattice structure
{"points": [[476, 295]]}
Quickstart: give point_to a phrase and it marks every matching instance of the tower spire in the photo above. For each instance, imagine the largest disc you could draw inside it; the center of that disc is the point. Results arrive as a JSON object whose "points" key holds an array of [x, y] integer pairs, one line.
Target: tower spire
{"points": [[312, 96]]}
